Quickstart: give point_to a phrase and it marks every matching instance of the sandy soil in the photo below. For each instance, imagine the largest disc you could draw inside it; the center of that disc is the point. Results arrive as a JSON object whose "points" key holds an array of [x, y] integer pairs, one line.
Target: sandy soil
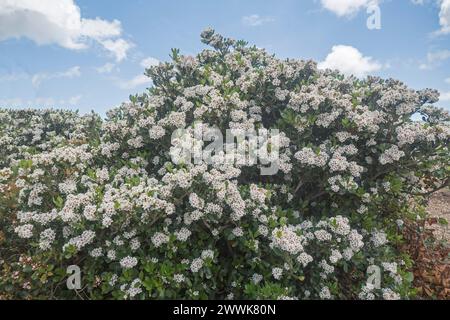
{"points": [[439, 208]]}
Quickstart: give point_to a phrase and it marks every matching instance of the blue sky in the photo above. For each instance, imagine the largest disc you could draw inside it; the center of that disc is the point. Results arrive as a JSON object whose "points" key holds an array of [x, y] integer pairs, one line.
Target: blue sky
{"points": [[91, 54]]}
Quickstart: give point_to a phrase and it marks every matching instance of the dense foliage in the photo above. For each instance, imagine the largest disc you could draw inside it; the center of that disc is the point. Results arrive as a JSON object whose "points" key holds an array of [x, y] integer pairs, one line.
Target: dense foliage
{"points": [[109, 197]]}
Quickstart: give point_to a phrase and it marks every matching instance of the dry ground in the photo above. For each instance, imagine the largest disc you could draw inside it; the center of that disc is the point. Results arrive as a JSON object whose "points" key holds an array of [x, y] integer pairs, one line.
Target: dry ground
{"points": [[439, 208], [431, 250]]}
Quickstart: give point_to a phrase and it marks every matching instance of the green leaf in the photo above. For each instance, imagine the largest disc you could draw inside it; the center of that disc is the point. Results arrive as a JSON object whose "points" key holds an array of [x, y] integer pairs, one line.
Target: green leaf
{"points": [[443, 221], [58, 202], [409, 277]]}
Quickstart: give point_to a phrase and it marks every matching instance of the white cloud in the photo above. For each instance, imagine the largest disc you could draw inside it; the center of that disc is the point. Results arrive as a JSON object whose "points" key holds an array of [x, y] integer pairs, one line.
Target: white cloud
{"points": [[118, 47], [140, 79], [445, 96], [13, 77], [434, 59], [444, 17], [347, 7], [349, 61], [40, 102], [106, 68], [149, 62], [74, 100], [137, 81], [438, 56], [38, 78], [59, 22], [12, 102], [255, 20]]}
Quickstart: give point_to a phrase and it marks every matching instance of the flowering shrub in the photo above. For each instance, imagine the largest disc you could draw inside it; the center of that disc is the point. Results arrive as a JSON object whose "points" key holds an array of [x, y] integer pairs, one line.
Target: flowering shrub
{"points": [[26, 132], [108, 196]]}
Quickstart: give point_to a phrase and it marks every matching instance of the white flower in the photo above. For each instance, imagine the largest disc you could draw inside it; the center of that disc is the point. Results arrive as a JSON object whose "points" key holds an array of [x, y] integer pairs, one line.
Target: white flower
{"points": [[134, 289], [89, 212], [183, 234], [323, 235], [159, 238], [287, 239], [111, 254], [335, 256], [263, 230], [24, 231], [257, 278], [391, 267], [355, 240], [135, 244], [388, 294], [277, 273], [179, 278], [391, 155], [325, 293], [113, 280], [128, 262], [304, 259], [308, 157], [340, 225], [257, 194], [196, 265], [237, 232], [46, 239], [207, 254], [156, 132], [379, 238], [81, 241], [95, 253], [196, 201]]}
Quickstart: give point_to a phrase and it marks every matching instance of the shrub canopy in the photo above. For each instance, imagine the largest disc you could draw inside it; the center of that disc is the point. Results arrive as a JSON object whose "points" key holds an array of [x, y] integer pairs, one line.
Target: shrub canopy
{"points": [[109, 197]]}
